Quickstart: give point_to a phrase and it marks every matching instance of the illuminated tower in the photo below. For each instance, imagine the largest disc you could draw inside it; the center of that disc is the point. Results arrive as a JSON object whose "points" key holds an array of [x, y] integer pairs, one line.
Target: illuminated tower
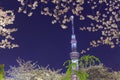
{"points": [[74, 55]]}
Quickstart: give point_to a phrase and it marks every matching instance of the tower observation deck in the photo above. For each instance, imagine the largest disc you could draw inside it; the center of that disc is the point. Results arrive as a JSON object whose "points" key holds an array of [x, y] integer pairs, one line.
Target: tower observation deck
{"points": [[74, 55]]}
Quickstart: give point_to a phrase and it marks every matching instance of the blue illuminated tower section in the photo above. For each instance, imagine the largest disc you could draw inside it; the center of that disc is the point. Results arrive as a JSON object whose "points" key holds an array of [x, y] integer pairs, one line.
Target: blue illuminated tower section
{"points": [[74, 55]]}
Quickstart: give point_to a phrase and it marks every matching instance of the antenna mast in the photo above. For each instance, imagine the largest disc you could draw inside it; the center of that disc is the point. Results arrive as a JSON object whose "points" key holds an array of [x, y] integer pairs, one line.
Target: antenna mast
{"points": [[72, 21]]}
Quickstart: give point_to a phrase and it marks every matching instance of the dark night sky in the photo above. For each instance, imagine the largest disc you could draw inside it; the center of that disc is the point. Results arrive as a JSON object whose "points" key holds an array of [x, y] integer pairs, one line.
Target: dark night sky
{"points": [[48, 44]]}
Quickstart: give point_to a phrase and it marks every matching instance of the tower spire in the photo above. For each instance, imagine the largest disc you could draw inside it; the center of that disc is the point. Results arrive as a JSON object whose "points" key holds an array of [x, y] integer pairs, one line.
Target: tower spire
{"points": [[73, 37], [74, 55], [72, 21]]}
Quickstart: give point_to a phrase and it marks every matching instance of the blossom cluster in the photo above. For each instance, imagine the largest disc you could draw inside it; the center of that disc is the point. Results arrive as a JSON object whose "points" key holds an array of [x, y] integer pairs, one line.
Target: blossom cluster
{"points": [[27, 70], [61, 10], [6, 18], [28, 6], [106, 19]]}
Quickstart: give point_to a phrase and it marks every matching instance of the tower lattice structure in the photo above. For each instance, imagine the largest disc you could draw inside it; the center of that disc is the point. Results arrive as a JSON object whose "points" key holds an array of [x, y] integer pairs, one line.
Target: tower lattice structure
{"points": [[74, 55]]}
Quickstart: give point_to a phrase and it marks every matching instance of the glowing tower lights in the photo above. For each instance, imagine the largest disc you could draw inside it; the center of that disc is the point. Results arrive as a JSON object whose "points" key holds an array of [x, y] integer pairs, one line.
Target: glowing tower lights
{"points": [[74, 55]]}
